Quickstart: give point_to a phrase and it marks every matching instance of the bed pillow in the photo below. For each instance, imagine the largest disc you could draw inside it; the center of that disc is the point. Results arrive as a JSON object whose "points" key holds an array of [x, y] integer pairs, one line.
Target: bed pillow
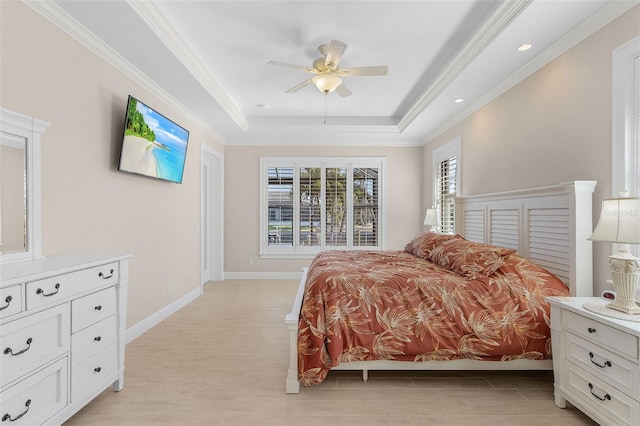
{"points": [[424, 242], [473, 260]]}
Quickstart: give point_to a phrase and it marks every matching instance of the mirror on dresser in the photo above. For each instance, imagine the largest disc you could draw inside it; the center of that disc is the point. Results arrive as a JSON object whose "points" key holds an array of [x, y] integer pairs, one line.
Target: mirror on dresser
{"points": [[20, 176]]}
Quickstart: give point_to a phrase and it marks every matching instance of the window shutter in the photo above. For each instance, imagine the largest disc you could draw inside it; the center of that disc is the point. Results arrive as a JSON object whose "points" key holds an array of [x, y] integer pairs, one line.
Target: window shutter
{"points": [[280, 205], [365, 206], [310, 195], [446, 191], [336, 206]]}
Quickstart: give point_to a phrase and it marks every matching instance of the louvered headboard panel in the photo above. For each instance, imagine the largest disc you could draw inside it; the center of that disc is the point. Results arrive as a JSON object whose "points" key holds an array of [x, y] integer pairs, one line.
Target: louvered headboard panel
{"points": [[548, 225]]}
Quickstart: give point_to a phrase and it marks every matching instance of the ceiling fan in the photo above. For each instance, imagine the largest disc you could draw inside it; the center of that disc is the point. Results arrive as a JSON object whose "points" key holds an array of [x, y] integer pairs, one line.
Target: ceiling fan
{"points": [[328, 77]]}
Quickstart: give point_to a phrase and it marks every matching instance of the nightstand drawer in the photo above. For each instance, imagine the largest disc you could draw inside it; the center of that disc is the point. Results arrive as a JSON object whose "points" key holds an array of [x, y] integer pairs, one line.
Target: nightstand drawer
{"points": [[604, 364], [597, 332], [595, 393]]}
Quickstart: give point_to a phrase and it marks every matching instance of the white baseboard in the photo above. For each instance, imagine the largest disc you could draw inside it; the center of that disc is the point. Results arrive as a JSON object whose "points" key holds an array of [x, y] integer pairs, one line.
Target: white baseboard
{"points": [[262, 275], [137, 330]]}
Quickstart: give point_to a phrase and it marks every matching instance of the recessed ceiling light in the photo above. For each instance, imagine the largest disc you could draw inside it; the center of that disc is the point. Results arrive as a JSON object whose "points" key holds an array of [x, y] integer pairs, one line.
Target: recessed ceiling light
{"points": [[524, 47], [459, 100], [263, 106]]}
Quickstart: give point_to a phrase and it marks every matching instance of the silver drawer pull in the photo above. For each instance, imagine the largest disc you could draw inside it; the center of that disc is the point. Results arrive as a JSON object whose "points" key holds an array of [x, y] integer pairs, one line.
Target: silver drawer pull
{"points": [[8, 350], [606, 395], [104, 277], [7, 301], [7, 416], [606, 364], [41, 291]]}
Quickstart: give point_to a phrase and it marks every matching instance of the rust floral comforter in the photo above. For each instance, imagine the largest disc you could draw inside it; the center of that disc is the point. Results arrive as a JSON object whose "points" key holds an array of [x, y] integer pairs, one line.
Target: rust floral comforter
{"points": [[392, 305]]}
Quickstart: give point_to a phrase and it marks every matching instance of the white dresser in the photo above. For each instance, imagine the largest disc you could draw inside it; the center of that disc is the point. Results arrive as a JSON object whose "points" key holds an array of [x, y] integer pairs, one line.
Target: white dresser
{"points": [[62, 324], [596, 362]]}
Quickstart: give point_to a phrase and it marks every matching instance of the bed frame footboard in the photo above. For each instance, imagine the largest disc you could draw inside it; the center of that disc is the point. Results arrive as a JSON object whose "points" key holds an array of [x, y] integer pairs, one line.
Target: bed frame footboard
{"points": [[291, 319]]}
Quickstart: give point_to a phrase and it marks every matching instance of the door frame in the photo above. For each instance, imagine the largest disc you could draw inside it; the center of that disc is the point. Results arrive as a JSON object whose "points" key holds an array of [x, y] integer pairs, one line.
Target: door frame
{"points": [[211, 215]]}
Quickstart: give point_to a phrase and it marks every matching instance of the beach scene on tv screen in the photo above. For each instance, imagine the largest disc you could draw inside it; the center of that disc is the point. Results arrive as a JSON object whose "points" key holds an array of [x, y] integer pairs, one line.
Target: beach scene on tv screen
{"points": [[153, 145]]}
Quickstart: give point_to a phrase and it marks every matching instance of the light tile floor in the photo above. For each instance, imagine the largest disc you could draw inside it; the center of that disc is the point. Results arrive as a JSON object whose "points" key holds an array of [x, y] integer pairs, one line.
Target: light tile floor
{"points": [[222, 360]]}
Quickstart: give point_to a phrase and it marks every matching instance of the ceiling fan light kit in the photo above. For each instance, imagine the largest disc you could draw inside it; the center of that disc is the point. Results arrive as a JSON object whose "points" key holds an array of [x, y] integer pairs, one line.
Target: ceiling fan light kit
{"points": [[326, 83], [327, 74]]}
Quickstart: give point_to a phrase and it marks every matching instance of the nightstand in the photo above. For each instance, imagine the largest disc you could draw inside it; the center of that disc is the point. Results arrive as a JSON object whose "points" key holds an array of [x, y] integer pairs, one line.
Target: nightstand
{"points": [[596, 362]]}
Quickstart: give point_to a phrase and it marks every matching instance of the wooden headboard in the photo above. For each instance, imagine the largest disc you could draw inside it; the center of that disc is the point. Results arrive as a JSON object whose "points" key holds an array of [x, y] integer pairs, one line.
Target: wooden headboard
{"points": [[548, 225]]}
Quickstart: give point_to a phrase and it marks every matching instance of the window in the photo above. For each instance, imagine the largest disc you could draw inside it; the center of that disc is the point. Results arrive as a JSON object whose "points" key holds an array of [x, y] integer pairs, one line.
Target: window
{"points": [[626, 121], [311, 204], [446, 166]]}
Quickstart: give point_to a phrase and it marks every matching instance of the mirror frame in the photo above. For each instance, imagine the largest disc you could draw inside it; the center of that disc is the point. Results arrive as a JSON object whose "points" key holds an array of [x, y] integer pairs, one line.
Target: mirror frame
{"points": [[31, 129]]}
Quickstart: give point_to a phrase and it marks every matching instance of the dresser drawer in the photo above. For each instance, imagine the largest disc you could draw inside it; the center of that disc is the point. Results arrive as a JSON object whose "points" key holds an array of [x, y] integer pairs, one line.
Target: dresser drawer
{"points": [[33, 340], [92, 340], [92, 308], [35, 399], [604, 364], [93, 372], [10, 301], [601, 397], [61, 287], [617, 340]]}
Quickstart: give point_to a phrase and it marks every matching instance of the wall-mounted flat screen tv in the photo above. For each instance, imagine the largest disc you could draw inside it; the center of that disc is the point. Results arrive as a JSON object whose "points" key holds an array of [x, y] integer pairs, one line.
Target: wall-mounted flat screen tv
{"points": [[153, 145]]}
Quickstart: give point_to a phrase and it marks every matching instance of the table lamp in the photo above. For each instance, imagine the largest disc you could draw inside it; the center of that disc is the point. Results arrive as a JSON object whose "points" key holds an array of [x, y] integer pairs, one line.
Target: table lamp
{"points": [[620, 223], [431, 219]]}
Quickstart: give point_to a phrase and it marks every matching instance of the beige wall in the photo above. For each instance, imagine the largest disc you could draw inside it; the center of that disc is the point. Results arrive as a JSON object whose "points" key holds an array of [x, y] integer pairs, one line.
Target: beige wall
{"points": [[242, 200], [88, 206], [555, 126]]}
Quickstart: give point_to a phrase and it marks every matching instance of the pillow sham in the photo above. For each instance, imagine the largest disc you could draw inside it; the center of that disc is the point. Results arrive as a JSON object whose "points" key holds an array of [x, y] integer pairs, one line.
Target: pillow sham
{"points": [[473, 260], [424, 242]]}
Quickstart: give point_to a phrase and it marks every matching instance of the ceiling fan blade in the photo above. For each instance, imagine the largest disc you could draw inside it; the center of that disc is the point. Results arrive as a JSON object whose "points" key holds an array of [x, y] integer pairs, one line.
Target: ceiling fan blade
{"points": [[356, 71], [334, 53], [284, 64], [343, 91], [299, 86]]}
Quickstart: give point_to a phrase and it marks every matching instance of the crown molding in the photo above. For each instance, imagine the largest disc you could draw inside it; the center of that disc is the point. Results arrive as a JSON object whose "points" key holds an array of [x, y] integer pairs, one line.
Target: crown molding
{"points": [[606, 14], [57, 16], [491, 28], [167, 31]]}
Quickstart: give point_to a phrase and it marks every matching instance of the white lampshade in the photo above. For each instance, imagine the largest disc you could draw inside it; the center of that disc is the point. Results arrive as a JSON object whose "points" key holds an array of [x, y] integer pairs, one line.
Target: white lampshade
{"points": [[326, 83], [619, 221], [431, 219]]}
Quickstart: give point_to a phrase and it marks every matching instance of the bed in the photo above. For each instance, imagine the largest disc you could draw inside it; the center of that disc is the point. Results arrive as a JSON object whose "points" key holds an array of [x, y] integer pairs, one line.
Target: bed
{"points": [[474, 300]]}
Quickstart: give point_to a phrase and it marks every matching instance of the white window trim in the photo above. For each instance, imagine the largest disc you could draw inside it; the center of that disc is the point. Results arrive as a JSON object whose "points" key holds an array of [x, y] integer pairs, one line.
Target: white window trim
{"points": [[624, 126], [297, 251], [446, 151]]}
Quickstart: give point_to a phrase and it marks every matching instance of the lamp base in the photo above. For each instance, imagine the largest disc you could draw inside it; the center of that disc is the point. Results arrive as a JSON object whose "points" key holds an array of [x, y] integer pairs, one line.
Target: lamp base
{"points": [[625, 270], [625, 307]]}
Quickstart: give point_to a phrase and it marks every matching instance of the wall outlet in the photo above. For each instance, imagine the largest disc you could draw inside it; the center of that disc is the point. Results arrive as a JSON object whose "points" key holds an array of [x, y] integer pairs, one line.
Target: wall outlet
{"points": [[251, 261], [169, 288]]}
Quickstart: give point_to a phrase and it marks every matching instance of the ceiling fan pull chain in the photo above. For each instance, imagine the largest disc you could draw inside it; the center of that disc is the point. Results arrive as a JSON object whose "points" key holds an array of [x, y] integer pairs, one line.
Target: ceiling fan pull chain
{"points": [[326, 94]]}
